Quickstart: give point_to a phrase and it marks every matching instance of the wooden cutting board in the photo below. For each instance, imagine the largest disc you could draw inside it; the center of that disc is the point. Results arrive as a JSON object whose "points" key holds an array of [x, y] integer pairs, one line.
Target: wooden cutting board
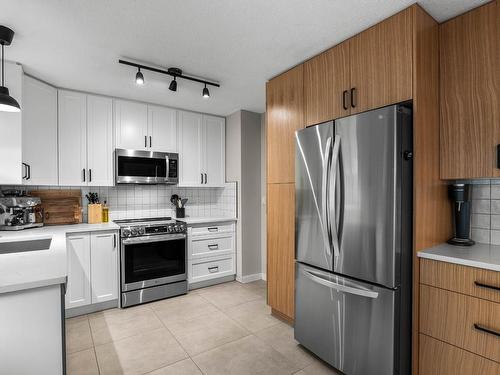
{"points": [[60, 206]]}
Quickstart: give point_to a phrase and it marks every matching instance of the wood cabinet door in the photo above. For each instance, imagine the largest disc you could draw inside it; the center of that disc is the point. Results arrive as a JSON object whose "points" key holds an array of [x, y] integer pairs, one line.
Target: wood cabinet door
{"points": [[381, 63], [281, 248], [326, 85], [284, 115], [470, 93], [189, 143], [131, 125], [78, 260], [40, 132], [72, 143], [214, 159], [104, 266], [100, 149], [162, 129]]}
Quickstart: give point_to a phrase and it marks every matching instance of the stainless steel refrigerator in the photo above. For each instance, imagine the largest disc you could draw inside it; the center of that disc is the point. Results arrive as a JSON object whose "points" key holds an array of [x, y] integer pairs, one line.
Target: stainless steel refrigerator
{"points": [[354, 241]]}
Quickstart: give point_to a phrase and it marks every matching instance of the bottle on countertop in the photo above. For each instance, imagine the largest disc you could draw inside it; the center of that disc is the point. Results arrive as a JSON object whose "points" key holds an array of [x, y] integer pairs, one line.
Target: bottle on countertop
{"points": [[105, 213]]}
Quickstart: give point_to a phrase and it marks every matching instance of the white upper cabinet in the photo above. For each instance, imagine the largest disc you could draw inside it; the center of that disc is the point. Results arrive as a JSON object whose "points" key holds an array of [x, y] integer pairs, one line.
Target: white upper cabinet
{"points": [[100, 149], [39, 133], [103, 266], [189, 143], [214, 150], [10, 129], [131, 125], [72, 108], [201, 143], [162, 129]]}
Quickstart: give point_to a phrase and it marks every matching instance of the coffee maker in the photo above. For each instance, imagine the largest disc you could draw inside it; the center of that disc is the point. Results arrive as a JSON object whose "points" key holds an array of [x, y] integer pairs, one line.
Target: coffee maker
{"points": [[19, 211], [460, 195]]}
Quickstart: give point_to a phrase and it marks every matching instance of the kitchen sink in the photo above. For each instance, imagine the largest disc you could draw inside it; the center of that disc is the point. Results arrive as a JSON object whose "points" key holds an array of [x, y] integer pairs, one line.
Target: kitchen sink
{"points": [[25, 245]]}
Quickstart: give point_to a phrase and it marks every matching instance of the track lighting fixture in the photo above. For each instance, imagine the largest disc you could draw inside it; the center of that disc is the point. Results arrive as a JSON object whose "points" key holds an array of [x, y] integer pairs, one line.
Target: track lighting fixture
{"points": [[7, 102], [139, 78], [173, 72], [205, 93], [173, 85]]}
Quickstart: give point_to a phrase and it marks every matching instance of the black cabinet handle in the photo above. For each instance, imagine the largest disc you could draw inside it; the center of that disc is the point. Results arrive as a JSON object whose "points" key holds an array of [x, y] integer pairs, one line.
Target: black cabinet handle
{"points": [[83, 174], [482, 285], [344, 100], [486, 330], [205, 178], [114, 241], [25, 175], [90, 175], [29, 172], [498, 156], [353, 104], [145, 141], [201, 177], [150, 142]]}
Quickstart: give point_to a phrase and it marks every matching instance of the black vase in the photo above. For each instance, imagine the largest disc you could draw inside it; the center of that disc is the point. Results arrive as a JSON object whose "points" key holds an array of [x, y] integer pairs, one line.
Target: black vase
{"points": [[180, 212]]}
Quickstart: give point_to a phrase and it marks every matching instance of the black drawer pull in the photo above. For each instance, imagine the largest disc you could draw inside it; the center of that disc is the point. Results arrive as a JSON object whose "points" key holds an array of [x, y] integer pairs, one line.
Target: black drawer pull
{"points": [[486, 330], [214, 246], [353, 103], [482, 285], [498, 156], [213, 269], [213, 229], [344, 100]]}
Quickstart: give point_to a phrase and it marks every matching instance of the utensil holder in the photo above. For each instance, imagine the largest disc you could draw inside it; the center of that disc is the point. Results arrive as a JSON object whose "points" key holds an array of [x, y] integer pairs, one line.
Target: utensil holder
{"points": [[180, 212], [94, 213]]}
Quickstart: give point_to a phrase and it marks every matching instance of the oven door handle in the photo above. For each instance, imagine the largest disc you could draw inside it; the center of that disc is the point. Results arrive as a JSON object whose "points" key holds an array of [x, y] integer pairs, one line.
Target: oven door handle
{"points": [[154, 238]]}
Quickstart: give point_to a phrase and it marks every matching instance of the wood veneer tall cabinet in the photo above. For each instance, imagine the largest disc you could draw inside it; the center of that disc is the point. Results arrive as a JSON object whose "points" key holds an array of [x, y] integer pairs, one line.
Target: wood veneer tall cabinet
{"points": [[470, 93], [393, 61]]}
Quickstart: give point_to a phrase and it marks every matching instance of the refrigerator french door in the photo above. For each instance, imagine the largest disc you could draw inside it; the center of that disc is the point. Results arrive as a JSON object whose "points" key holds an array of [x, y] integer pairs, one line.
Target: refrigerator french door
{"points": [[353, 241]]}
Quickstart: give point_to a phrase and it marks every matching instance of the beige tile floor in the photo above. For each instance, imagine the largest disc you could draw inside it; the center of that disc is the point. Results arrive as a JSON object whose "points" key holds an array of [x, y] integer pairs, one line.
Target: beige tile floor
{"points": [[224, 329]]}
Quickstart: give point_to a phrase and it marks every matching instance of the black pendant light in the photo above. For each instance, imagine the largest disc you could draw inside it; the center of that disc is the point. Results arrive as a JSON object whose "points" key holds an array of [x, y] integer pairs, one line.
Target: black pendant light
{"points": [[7, 102], [173, 85], [139, 78], [205, 93]]}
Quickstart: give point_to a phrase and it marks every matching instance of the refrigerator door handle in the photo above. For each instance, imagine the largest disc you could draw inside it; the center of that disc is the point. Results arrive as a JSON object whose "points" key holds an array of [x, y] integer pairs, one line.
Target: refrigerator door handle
{"points": [[324, 196], [332, 225], [351, 289]]}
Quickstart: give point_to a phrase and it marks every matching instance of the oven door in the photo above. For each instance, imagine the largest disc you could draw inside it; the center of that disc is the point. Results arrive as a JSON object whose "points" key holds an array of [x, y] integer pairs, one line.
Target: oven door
{"points": [[152, 260], [145, 167]]}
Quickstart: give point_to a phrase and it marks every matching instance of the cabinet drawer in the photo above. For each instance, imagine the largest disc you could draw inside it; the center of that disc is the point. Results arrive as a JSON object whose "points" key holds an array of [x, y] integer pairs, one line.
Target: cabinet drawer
{"points": [[211, 268], [212, 229], [461, 320], [207, 247], [439, 358], [472, 281]]}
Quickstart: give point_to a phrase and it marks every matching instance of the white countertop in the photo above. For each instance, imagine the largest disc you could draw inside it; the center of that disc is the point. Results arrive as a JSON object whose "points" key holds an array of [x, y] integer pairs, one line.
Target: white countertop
{"points": [[202, 220], [32, 269], [479, 255]]}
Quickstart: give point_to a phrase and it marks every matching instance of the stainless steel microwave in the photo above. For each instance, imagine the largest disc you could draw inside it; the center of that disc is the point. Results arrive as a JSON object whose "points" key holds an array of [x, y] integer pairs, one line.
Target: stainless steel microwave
{"points": [[146, 167]]}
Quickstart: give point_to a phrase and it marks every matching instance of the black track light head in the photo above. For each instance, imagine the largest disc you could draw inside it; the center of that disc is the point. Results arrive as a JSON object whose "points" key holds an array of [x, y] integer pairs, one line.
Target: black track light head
{"points": [[139, 77], [173, 85], [206, 93], [7, 102]]}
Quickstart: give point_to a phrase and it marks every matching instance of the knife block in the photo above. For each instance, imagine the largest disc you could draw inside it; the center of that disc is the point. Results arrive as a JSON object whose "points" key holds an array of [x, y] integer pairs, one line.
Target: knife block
{"points": [[94, 213]]}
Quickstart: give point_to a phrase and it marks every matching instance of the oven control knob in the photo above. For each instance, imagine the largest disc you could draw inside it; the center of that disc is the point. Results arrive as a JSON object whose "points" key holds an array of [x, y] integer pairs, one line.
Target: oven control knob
{"points": [[171, 229], [126, 232], [134, 231], [141, 231]]}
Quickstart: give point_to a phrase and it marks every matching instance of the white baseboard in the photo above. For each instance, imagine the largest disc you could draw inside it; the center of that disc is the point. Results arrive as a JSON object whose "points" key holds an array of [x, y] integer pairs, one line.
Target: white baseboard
{"points": [[250, 278]]}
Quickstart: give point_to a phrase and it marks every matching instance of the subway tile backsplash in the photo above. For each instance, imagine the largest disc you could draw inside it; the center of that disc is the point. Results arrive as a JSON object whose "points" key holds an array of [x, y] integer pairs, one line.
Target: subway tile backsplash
{"points": [[485, 224], [134, 201]]}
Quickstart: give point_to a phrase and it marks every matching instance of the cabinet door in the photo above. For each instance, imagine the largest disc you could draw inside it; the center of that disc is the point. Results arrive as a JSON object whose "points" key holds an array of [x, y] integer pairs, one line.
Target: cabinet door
{"points": [[10, 130], [281, 248], [470, 93], [72, 132], [381, 63], [189, 135], [214, 140], [78, 258], [131, 125], [284, 115], [40, 132], [104, 266], [162, 129], [100, 149], [326, 85]]}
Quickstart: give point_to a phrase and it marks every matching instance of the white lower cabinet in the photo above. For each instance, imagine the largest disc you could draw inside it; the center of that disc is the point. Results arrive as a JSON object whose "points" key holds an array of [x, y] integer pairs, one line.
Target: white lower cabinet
{"points": [[211, 252], [92, 268]]}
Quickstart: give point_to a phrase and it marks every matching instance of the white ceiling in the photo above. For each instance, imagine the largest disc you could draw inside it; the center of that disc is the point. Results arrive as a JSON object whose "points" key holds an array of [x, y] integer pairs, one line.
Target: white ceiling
{"points": [[241, 43]]}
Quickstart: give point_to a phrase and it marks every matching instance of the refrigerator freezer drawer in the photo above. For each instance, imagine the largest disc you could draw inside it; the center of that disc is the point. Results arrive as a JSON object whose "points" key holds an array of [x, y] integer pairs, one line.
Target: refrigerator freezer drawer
{"points": [[349, 324]]}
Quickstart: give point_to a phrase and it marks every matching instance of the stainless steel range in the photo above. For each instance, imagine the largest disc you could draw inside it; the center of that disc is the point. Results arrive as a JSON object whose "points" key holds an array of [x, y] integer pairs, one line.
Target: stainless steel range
{"points": [[152, 260]]}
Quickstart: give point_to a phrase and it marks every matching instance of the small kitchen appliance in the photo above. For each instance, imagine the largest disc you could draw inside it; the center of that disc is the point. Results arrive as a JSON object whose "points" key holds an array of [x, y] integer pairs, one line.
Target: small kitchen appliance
{"points": [[18, 211], [146, 167], [460, 195], [152, 260]]}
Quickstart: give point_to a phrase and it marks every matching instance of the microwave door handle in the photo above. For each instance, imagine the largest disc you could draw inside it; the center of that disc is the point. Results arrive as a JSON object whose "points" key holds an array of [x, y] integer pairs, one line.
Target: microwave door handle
{"points": [[154, 238], [324, 195], [351, 289], [167, 160], [331, 223]]}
